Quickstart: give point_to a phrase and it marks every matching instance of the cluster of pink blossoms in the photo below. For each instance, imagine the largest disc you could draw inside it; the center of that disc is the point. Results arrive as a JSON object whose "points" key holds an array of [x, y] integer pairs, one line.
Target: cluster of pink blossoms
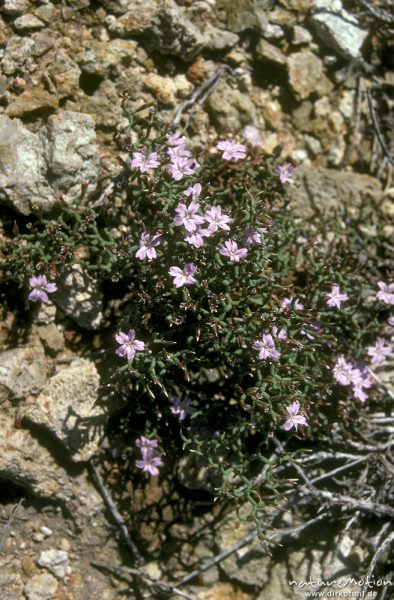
{"points": [[151, 460], [181, 160], [347, 373]]}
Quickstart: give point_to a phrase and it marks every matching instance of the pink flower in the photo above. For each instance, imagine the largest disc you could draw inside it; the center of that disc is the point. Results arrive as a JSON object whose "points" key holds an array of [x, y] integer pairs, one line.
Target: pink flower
{"points": [[231, 250], [187, 216], [266, 347], [335, 297], [361, 379], [194, 191], [146, 445], [386, 293], [253, 236], [183, 276], [279, 333], [286, 174], [128, 344], [231, 150], [149, 464], [181, 166], [176, 138], [294, 418], [39, 288], [379, 351], [252, 135], [182, 408], [292, 303], [144, 163], [147, 246], [343, 371], [391, 321], [214, 217], [311, 330], [196, 238]]}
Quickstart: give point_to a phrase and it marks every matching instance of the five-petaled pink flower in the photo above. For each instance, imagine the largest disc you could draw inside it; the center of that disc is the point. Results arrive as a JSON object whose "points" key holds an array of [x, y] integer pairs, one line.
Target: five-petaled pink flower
{"points": [[335, 297], [231, 250], [252, 135], [294, 418], [194, 190], [386, 292], [187, 216], [40, 287], [144, 163], [181, 166], [184, 276], [128, 344], [196, 238], [286, 174], [231, 150], [379, 351], [176, 139], [343, 371], [266, 347], [146, 445], [182, 408], [149, 464], [214, 217], [147, 246]]}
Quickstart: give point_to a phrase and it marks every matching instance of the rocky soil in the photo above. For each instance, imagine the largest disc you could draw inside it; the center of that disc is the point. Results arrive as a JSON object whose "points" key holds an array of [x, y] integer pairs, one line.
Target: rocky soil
{"points": [[298, 70]]}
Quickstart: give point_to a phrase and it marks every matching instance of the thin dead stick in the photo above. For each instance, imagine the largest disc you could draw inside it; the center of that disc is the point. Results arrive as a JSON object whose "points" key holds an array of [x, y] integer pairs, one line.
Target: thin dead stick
{"points": [[338, 470], [7, 526], [363, 505], [116, 514], [376, 127], [166, 587], [379, 551]]}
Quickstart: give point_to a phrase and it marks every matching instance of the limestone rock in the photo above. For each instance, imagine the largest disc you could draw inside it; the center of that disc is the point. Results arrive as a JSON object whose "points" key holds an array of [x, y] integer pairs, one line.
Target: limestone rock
{"points": [[23, 370], [17, 54], [11, 584], [136, 21], [28, 22], [219, 39], [32, 100], [241, 15], [104, 105], [120, 7], [101, 58], [345, 37], [79, 297], [56, 561], [301, 36], [306, 74], [15, 7], [66, 407], [267, 52], [64, 73], [173, 34], [230, 109], [41, 587]]}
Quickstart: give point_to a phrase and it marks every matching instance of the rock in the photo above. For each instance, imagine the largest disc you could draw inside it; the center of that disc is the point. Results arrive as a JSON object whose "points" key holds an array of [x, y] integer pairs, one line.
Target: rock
{"points": [[11, 584], [218, 39], [172, 34], [79, 297], [103, 58], [104, 105], [15, 7], [306, 74], [17, 54], [230, 109], [223, 591], [30, 101], [65, 148], [166, 90], [340, 34], [28, 22], [45, 12], [273, 32], [195, 473], [120, 7], [329, 190], [302, 6], [56, 561], [241, 15], [267, 52], [301, 36], [71, 154], [40, 587], [42, 43], [64, 73], [51, 337], [27, 463], [67, 408], [23, 371], [46, 531]]}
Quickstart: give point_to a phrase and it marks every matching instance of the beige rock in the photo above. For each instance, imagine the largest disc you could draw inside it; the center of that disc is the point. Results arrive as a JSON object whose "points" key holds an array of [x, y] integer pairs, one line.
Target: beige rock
{"points": [[306, 74], [67, 408], [23, 370], [267, 52], [65, 74], [28, 22], [230, 109], [41, 587], [100, 58], [11, 584], [223, 591], [31, 100]]}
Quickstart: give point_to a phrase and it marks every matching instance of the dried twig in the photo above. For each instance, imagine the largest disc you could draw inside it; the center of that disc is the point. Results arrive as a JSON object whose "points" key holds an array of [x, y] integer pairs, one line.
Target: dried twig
{"points": [[4, 533], [379, 551], [377, 129], [363, 505], [116, 514], [165, 587]]}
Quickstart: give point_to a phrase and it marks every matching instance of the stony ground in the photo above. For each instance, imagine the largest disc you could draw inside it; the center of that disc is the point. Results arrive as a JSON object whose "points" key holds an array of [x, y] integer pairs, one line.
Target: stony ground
{"points": [[300, 71]]}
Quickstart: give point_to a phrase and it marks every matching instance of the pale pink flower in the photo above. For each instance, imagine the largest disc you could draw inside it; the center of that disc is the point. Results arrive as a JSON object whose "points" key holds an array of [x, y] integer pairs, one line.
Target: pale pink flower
{"points": [[214, 217], [253, 236], [147, 246], [181, 166], [146, 445], [231, 250], [176, 138], [231, 150], [343, 371], [266, 347], [335, 297], [391, 321], [379, 351], [196, 238], [184, 276], [187, 216], [279, 333], [144, 163], [149, 464], [292, 303], [182, 408], [294, 418], [286, 174], [194, 191], [128, 344], [40, 287], [252, 135], [386, 292]]}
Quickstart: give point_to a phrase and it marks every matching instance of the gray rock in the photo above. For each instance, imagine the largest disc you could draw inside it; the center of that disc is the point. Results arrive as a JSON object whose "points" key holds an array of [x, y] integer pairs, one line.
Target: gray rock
{"points": [[65, 148], [241, 15], [173, 34], [23, 371], [266, 52], [104, 105], [103, 58], [67, 408], [119, 7], [136, 21], [339, 33], [230, 109], [64, 73], [306, 74], [17, 54], [301, 36], [40, 587], [71, 154], [79, 297], [25, 462], [273, 32], [56, 561], [11, 583], [218, 39], [15, 7], [28, 22]]}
